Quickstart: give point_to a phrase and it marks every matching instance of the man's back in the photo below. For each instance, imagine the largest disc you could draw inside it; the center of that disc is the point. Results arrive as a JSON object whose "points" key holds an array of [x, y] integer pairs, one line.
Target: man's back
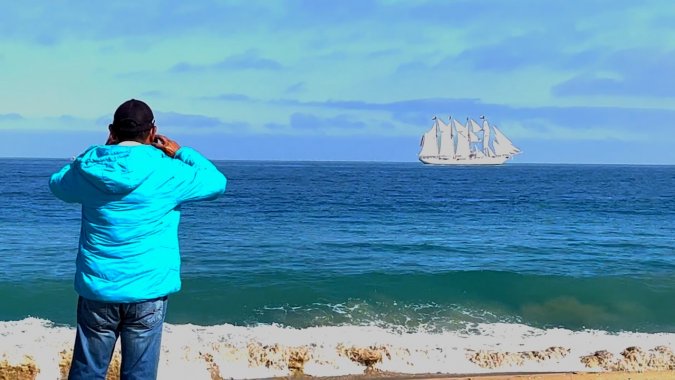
{"points": [[130, 196]]}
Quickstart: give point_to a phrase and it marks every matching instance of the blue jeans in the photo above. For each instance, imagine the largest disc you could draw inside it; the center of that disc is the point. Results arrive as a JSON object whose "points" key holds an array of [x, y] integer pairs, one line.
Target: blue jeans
{"points": [[99, 324]]}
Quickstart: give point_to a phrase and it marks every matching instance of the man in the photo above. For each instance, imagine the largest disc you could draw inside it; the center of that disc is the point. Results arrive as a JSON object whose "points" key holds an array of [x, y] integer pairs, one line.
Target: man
{"points": [[128, 262]]}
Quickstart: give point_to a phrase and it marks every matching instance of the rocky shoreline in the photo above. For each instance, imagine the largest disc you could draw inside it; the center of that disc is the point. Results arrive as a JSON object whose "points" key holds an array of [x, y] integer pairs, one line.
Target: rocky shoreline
{"points": [[659, 361]]}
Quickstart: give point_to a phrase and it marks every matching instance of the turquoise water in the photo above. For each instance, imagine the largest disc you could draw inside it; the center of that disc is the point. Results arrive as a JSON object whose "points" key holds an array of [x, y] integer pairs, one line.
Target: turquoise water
{"points": [[399, 245]]}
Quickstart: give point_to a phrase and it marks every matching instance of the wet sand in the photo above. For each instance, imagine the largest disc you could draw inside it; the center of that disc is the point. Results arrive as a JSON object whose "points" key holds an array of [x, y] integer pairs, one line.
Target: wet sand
{"points": [[571, 376], [565, 376], [654, 375], [28, 370]]}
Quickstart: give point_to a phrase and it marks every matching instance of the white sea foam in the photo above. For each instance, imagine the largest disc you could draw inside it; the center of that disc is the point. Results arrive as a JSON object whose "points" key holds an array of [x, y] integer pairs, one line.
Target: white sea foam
{"points": [[191, 351]]}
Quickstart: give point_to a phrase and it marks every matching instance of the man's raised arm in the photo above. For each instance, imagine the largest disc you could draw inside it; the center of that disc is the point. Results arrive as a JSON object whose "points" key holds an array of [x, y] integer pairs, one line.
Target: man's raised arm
{"points": [[63, 184], [195, 176]]}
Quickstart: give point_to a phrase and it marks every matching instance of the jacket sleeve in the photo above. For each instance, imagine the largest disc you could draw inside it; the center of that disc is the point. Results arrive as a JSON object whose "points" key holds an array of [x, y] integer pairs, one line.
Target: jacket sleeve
{"points": [[197, 178], [63, 185]]}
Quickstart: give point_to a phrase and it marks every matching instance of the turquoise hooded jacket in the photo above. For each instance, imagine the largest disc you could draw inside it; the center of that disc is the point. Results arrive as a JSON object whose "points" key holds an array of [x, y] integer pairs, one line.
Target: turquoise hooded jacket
{"points": [[131, 197]]}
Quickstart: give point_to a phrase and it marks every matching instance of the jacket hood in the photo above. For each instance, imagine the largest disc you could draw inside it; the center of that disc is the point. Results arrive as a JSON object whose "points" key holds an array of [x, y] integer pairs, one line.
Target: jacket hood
{"points": [[116, 169]]}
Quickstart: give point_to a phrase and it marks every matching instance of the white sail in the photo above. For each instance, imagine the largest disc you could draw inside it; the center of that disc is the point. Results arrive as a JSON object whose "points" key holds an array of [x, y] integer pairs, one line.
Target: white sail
{"points": [[430, 142], [474, 126], [473, 137], [502, 144], [447, 141], [463, 148], [500, 149], [486, 139], [459, 127]]}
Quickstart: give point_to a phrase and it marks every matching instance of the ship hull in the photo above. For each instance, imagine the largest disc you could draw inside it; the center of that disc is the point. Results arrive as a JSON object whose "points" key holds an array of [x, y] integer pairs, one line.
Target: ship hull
{"points": [[474, 161]]}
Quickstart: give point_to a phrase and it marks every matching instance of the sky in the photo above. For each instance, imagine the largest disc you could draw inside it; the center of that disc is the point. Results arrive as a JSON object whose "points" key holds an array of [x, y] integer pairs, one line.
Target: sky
{"points": [[567, 81]]}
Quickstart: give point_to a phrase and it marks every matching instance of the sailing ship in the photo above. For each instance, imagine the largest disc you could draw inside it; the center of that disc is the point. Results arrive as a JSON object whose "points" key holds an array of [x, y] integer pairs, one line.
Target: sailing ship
{"points": [[465, 144]]}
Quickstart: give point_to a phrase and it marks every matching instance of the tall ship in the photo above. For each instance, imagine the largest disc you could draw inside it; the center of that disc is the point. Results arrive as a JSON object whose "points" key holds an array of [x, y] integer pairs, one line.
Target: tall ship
{"points": [[465, 144]]}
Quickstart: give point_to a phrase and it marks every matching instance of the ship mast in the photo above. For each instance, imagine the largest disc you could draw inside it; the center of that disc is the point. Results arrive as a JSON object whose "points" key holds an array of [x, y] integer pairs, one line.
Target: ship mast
{"points": [[486, 137], [469, 132]]}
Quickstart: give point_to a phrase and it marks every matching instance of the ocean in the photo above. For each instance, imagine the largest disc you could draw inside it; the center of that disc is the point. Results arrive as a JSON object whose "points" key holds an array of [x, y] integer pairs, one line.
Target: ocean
{"points": [[471, 258]]}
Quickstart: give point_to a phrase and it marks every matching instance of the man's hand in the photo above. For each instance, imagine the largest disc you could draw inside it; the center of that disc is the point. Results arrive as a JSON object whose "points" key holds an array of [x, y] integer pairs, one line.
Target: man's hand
{"points": [[166, 145], [111, 140]]}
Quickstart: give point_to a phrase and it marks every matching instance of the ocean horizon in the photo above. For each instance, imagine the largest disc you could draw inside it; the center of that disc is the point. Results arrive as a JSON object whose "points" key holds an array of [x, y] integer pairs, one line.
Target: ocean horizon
{"points": [[517, 161]]}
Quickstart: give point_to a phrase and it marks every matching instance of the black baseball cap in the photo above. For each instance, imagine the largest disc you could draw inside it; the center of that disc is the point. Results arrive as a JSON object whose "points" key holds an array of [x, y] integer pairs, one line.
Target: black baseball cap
{"points": [[133, 116]]}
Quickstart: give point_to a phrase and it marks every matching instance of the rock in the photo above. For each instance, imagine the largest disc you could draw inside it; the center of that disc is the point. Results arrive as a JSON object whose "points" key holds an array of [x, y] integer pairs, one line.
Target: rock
{"points": [[297, 357], [65, 358], [661, 358], [633, 359], [113, 369], [213, 368], [552, 353], [367, 356], [493, 359], [278, 357], [27, 370], [602, 359], [264, 355]]}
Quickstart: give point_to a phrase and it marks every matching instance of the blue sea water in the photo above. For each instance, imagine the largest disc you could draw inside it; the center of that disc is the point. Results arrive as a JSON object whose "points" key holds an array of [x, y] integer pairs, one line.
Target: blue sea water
{"points": [[400, 245]]}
